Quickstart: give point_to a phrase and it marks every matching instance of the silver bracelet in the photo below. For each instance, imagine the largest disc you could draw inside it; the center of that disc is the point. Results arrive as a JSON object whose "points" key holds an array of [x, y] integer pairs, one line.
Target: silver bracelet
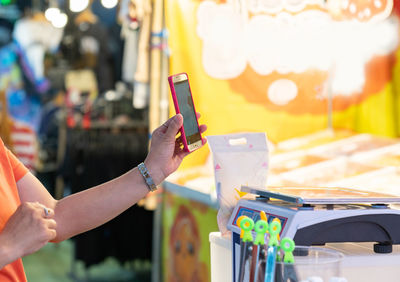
{"points": [[147, 178]]}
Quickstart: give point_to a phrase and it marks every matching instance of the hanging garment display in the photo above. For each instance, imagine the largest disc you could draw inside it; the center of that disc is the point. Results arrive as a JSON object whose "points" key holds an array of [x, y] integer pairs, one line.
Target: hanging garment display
{"points": [[114, 152], [130, 34], [16, 78], [36, 37], [18, 137], [24, 144], [141, 85], [84, 46], [22, 68]]}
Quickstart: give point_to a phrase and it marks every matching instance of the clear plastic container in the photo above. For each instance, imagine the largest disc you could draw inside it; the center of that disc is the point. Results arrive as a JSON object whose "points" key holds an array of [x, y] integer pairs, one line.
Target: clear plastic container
{"points": [[312, 264]]}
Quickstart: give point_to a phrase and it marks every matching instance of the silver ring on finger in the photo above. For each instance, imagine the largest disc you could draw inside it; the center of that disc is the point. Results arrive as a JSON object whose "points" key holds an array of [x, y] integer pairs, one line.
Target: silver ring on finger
{"points": [[46, 212]]}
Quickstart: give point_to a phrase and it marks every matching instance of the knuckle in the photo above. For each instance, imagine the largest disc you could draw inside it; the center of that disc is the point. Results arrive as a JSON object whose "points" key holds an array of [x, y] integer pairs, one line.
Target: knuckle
{"points": [[53, 223], [51, 234]]}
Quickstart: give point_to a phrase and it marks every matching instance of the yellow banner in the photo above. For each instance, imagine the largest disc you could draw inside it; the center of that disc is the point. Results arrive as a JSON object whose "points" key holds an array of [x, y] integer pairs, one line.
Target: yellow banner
{"points": [[257, 72]]}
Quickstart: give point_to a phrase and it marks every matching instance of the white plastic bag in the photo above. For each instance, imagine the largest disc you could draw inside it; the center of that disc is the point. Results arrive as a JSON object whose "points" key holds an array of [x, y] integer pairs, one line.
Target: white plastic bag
{"points": [[239, 159]]}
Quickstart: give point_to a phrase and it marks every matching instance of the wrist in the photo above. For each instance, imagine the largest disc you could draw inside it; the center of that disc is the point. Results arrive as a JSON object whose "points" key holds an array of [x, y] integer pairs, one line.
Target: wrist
{"points": [[155, 172]]}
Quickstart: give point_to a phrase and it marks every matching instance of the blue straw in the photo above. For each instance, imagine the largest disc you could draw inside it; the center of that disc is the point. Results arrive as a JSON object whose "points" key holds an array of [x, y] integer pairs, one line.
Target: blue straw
{"points": [[270, 264]]}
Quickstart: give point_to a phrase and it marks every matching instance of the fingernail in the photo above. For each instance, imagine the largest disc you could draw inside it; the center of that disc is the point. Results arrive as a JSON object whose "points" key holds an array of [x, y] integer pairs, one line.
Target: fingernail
{"points": [[177, 117]]}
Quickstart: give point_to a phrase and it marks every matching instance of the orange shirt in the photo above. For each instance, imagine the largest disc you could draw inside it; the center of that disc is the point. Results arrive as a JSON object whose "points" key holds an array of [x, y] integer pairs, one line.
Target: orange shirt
{"points": [[11, 170]]}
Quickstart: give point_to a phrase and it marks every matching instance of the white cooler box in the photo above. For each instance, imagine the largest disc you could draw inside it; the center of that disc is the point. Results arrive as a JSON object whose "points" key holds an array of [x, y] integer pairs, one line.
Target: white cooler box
{"points": [[221, 258]]}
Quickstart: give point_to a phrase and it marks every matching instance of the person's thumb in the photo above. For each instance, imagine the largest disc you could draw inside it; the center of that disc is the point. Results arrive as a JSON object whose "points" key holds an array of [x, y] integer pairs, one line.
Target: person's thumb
{"points": [[174, 126]]}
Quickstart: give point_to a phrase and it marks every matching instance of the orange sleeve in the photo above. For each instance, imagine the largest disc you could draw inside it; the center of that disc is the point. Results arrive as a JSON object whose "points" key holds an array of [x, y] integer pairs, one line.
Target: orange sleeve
{"points": [[18, 168]]}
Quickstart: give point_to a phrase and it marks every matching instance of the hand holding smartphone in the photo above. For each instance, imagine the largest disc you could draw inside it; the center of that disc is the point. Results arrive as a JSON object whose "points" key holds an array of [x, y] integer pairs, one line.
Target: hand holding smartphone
{"points": [[183, 102]]}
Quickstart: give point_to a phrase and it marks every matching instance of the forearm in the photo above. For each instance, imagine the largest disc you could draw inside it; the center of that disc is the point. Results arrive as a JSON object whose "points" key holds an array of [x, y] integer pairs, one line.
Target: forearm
{"points": [[7, 252], [90, 208], [4, 256]]}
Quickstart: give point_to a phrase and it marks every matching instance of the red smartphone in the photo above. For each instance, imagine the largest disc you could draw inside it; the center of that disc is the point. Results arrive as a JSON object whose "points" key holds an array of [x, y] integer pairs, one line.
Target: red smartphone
{"points": [[183, 102]]}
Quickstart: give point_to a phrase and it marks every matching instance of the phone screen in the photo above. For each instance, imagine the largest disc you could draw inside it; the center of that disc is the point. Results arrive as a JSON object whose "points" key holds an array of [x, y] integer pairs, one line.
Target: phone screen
{"points": [[186, 108]]}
